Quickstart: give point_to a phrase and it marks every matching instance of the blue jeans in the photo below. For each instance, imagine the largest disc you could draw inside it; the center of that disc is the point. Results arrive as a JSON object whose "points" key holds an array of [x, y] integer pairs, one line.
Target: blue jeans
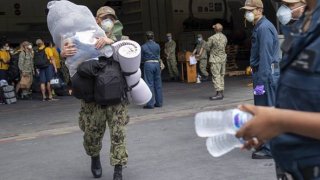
{"points": [[3, 75], [152, 76]]}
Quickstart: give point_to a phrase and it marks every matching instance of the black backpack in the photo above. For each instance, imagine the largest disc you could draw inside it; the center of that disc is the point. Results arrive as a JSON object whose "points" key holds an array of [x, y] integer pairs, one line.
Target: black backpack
{"points": [[110, 85], [82, 87], [40, 58], [13, 71], [100, 81]]}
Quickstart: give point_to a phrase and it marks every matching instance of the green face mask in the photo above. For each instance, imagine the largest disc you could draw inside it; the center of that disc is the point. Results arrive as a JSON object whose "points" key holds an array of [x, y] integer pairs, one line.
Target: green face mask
{"points": [[117, 29]]}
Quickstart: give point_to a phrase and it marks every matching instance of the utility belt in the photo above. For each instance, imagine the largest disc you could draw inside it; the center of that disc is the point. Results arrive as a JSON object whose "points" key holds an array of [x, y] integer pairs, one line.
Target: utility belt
{"points": [[273, 67], [309, 173], [152, 61]]}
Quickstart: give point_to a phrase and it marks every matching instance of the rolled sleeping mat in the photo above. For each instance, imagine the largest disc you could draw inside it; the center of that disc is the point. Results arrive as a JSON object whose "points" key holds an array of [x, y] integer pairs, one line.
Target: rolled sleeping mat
{"points": [[140, 94], [128, 54], [134, 78]]}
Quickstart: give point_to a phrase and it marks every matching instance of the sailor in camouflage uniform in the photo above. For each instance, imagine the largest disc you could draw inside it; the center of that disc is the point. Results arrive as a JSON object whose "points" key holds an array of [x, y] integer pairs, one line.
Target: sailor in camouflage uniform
{"points": [[170, 52], [26, 65], [218, 57], [200, 53], [94, 118]]}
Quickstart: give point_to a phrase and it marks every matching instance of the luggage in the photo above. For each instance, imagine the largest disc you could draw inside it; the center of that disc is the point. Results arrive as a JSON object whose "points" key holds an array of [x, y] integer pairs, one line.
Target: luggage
{"points": [[7, 94]]}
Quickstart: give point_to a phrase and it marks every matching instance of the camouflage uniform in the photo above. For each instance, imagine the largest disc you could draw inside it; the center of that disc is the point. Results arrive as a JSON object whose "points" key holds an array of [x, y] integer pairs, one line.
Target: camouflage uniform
{"points": [[170, 51], [25, 65], [203, 59], [92, 122], [217, 44], [25, 62], [93, 119]]}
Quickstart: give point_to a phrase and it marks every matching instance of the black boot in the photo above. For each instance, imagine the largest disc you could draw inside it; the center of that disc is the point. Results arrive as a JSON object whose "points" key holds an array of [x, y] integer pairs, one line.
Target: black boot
{"points": [[218, 96], [96, 167], [117, 175], [205, 78]]}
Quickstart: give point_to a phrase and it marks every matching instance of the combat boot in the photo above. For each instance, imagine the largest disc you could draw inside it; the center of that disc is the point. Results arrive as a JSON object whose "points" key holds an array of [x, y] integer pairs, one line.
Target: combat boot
{"points": [[96, 167], [218, 96], [117, 175]]}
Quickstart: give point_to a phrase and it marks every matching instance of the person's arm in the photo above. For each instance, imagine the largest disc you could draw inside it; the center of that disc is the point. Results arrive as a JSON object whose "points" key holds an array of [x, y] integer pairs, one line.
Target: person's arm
{"points": [[21, 60], [102, 41], [158, 51], [166, 47], [173, 48], [201, 51], [269, 122], [68, 50], [6, 58], [194, 52], [51, 58]]}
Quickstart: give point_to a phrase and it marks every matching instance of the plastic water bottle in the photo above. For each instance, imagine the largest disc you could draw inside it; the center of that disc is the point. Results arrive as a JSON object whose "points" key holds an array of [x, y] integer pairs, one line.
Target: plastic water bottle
{"points": [[221, 144], [212, 123]]}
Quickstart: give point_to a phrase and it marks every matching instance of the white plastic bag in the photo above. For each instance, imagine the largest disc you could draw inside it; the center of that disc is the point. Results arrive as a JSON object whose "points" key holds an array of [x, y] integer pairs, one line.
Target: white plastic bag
{"points": [[68, 22]]}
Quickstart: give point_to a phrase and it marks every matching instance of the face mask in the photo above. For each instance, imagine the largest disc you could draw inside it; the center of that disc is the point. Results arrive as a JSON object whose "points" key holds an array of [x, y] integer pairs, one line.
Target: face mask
{"points": [[107, 25], [199, 39], [11, 51], [284, 14], [249, 16], [169, 38], [7, 48], [30, 46]]}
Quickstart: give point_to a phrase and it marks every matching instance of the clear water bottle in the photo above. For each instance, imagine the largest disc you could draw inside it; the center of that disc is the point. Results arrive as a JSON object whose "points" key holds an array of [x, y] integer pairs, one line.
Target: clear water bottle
{"points": [[212, 123], [221, 144]]}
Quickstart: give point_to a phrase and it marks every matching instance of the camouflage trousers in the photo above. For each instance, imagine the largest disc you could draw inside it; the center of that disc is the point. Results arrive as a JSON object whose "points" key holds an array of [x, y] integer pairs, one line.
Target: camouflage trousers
{"points": [[218, 71], [92, 121], [172, 67], [203, 67]]}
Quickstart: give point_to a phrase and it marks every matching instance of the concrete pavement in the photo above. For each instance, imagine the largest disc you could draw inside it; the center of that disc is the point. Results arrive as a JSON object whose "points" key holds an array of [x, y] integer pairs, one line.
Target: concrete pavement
{"points": [[180, 99], [41, 140], [158, 150]]}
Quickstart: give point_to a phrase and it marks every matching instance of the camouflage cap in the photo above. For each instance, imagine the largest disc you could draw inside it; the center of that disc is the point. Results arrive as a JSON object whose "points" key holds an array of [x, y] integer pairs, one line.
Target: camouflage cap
{"points": [[149, 33], [218, 27], [106, 10], [199, 35], [252, 4]]}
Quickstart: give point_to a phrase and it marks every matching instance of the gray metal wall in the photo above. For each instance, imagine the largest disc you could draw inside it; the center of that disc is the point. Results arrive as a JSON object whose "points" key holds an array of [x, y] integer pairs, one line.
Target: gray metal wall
{"points": [[139, 16]]}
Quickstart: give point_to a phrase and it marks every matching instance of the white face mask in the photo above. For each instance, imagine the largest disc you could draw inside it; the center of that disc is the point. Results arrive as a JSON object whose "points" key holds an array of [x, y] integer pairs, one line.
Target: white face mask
{"points": [[199, 39], [284, 14], [30, 46], [107, 25], [7, 48], [249, 16]]}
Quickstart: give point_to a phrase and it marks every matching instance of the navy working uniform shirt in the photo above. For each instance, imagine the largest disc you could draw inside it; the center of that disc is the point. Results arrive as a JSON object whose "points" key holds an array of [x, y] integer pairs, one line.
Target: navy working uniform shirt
{"points": [[299, 89], [264, 53], [150, 51]]}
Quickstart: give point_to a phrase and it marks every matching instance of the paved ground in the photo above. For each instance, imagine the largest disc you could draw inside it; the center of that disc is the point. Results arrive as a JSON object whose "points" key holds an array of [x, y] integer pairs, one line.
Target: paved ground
{"points": [[158, 150], [180, 99], [41, 140]]}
